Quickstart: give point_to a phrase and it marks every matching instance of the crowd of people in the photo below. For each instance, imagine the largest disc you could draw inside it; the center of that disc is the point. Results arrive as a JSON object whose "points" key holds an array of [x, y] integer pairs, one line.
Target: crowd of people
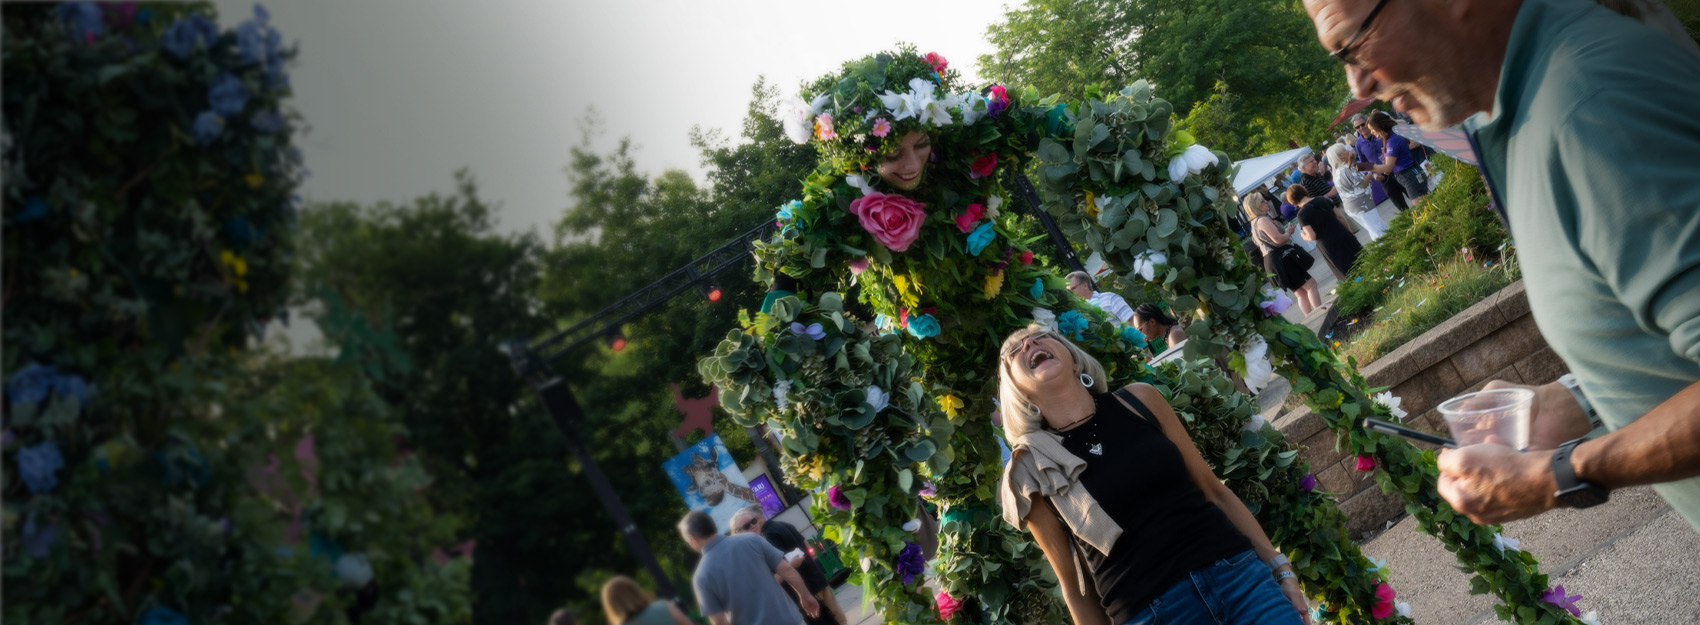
{"points": [[1592, 162]]}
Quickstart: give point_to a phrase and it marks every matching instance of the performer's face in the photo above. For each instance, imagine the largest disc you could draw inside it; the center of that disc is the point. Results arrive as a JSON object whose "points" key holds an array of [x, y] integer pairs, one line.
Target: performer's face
{"points": [[1037, 360], [905, 168]]}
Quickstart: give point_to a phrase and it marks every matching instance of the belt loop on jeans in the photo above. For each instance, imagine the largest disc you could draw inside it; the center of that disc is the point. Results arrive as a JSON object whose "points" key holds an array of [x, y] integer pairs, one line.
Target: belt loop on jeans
{"points": [[1207, 595]]}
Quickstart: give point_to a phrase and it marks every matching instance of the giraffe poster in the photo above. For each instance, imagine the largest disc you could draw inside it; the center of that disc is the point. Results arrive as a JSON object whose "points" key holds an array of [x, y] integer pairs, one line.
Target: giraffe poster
{"points": [[710, 480]]}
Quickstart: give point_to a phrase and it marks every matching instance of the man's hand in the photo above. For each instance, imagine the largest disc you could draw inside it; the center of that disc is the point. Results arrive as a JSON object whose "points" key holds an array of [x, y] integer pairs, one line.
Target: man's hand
{"points": [[810, 606], [1554, 417], [1494, 483]]}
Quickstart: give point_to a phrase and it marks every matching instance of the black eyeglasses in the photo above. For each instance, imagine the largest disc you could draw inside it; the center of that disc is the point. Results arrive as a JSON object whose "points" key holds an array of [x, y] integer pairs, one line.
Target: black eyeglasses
{"points": [[1346, 54], [749, 525]]}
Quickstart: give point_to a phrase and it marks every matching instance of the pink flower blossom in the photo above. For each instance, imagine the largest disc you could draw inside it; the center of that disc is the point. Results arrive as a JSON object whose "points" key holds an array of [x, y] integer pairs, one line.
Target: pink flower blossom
{"points": [[965, 221], [927, 490], [1026, 258], [948, 605], [859, 265], [1383, 607], [938, 62], [823, 127], [882, 127], [1366, 463], [835, 496], [983, 166], [894, 220]]}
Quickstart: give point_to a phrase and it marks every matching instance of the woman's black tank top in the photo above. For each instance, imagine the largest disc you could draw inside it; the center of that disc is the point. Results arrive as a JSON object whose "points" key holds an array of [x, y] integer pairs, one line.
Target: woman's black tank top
{"points": [[1139, 478]]}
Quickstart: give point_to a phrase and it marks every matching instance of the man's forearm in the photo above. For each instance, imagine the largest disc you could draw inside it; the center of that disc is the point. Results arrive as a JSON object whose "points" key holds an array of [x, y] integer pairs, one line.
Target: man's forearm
{"points": [[1662, 446], [789, 574]]}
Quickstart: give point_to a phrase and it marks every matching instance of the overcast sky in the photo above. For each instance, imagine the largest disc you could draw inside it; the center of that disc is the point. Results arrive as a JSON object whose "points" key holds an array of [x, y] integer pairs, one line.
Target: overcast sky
{"points": [[401, 93]]}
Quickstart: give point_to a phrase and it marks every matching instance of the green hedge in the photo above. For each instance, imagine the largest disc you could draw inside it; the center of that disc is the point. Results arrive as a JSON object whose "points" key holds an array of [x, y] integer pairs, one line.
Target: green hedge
{"points": [[1455, 216]]}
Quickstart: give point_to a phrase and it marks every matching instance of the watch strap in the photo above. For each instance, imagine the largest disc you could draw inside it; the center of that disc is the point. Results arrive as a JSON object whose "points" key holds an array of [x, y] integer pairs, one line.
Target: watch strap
{"points": [[1280, 575], [1563, 473], [1570, 383], [1278, 561]]}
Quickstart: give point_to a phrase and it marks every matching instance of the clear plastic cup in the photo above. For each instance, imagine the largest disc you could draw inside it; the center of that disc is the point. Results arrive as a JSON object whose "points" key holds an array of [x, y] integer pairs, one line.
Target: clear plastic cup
{"points": [[1498, 416]]}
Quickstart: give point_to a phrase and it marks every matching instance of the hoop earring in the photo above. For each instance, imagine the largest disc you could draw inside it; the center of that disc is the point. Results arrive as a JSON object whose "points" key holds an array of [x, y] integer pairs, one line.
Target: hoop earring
{"points": [[1086, 380]]}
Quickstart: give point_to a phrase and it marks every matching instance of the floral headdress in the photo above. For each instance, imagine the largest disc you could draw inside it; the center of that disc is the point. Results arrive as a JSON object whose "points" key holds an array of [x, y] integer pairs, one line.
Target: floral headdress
{"points": [[858, 115]]}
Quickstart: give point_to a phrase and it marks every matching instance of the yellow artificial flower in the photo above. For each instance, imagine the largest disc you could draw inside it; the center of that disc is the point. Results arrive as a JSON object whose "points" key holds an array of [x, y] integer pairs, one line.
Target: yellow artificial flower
{"points": [[1091, 208], [908, 291], [238, 266], [993, 285], [254, 180], [951, 404]]}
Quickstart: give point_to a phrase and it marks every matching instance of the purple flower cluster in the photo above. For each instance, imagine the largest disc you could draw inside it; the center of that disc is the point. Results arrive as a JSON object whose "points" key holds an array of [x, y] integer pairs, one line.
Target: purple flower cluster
{"points": [[910, 562], [189, 34], [260, 43], [227, 95]]}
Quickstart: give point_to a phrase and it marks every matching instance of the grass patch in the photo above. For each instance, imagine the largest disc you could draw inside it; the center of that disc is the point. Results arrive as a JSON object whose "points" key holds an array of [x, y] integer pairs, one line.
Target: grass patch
{"points": [[1426, 300]]}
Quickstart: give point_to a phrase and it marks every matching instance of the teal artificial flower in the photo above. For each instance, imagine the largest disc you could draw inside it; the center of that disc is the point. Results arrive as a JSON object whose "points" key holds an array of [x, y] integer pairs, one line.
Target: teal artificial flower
{"points": [[923, 326], [1038, 290], [980, 238], [1133, 335], [1072, 324]]}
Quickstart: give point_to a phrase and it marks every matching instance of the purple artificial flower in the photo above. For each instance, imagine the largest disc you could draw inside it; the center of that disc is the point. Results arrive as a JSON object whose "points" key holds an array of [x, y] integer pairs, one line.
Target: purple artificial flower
{"points": [[910, 562], [927, 490], [34, 208], [1558, 597], [38, 543], [208, 126], [228, 95], [1308, 483], [189, 34], [85, 20], [38, 466], [813, 330], [32, 385], [835, 496]]}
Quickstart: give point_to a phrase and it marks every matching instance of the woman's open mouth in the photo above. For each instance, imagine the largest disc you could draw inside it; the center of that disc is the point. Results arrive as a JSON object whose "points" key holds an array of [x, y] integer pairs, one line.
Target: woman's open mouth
{"points": [[1037, 357]]}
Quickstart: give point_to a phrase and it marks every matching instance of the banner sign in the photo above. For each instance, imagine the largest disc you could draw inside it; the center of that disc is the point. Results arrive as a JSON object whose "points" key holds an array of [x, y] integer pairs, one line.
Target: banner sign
{"points": [[709, 479]]}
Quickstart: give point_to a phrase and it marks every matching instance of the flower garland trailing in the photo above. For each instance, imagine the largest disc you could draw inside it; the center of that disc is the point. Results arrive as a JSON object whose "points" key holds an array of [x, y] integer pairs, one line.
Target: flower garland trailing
{"points": [[1181, 218]]}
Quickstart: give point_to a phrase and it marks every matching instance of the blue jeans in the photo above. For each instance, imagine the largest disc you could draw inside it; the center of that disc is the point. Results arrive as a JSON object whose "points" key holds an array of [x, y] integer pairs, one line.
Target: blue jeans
{"points": [[1238, 590]]}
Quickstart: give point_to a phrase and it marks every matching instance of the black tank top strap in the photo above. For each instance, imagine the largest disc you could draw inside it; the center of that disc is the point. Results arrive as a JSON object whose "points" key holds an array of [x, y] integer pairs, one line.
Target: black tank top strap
{"points": [[1138, 407]]}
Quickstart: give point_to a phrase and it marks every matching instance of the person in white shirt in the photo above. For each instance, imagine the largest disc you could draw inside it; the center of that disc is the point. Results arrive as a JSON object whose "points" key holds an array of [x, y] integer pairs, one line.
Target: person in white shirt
{"points": [[1081, 285]]}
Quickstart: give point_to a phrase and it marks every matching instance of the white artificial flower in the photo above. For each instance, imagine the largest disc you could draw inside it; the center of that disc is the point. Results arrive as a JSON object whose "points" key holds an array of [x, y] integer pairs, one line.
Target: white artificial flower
{"points": [[901, 106], [935, 112], [1387, 399], [1403, 608], [992, 204], [1177, 168], [1258, 370], [857, 182], [1100, 202], [912, 525], [798, 117], [1592, 617], [1253, 424], [1198, 157], [1502, 543], [878, 399], [780, 391], [1045, 318], [973, 107], [1146, 264]]}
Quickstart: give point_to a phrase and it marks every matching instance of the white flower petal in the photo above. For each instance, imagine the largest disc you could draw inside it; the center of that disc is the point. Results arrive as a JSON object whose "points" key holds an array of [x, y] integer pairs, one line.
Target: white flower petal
{"points": [[1258, 370], [1253, 424], [857, 182], [1178, 169], [912, 525], [1198, 157], [878, 399], [1403, 608], [992, 204], [1045, 318], [901, 106]]}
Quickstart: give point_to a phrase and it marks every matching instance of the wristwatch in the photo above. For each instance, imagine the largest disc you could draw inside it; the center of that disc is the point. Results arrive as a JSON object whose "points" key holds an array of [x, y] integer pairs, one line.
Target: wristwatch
{"points": [[1569, 382], [1572, 492]]}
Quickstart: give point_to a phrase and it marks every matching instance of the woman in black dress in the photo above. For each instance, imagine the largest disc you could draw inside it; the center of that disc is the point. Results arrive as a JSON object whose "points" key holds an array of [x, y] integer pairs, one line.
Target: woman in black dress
{"points": [[1323, 224], [1292, 274]]}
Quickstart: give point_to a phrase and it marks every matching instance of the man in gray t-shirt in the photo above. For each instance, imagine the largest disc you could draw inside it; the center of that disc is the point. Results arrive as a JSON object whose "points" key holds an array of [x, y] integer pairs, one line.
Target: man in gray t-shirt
{"points": [[734, 581]]}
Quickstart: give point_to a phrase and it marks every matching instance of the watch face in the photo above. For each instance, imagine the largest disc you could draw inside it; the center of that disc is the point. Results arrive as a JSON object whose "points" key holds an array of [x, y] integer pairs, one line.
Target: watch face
{"points": [[1583, 496]]}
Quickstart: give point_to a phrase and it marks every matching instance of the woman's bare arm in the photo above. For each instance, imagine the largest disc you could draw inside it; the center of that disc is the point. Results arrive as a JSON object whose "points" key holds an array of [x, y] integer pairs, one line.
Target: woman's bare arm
{"points": [[1083, 603], [679, 617]]}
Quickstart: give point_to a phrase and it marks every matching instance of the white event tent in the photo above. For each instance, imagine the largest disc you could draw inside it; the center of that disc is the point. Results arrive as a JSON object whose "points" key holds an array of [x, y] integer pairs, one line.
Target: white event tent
{"points": [[1254, 172]]}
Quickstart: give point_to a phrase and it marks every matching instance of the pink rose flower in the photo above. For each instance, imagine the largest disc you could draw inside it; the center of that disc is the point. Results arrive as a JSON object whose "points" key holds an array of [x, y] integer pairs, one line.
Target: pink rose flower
{"points": [[894, 220], [1026, 258], [948, 605], [882, 127], [1383, 607], [983, 166], [1366, 463], [938, 62], [965, 221]]}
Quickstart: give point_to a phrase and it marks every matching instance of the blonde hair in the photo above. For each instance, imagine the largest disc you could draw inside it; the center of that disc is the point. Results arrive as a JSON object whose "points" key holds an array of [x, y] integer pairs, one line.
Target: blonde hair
{"points": [[1255, 205], [1338, 156], [623, 599], [1020, 416]]}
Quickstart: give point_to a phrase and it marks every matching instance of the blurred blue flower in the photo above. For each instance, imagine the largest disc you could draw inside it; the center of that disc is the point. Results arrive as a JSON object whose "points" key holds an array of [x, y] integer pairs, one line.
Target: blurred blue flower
{"points": [[73, 385], [1072, 324], [256, 38], [85, 20], [186, 35], [1038, 289], [923, 326], [1133, 335], [266, 121], [34, 208], [980, 238], [228, 95], [38, 542], [162, 616], [788, 210], [32, 385], [208, 126], [38, 465], [242, 232]]}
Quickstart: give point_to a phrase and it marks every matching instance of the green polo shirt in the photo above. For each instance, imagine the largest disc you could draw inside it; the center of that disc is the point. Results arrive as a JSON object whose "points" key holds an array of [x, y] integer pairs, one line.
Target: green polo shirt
{"points": [[1593, 147]]}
